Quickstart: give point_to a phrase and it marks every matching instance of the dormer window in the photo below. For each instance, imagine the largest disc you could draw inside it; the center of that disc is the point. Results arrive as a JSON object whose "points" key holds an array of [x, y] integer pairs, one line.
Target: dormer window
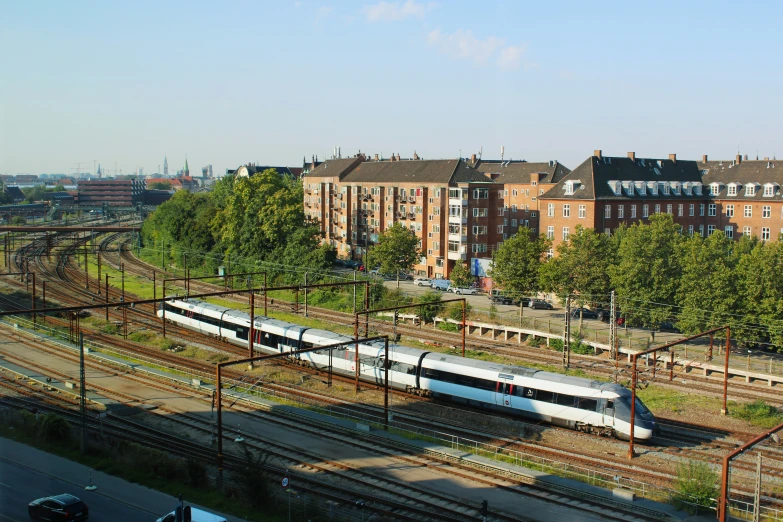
{"points": [[628, 186], [769, 190], [571, 186], [750, 189], [697, 189], [641, 188], [676, 187], [687, 187], [653, 187], [665, 188], [616, 187], [714, 189], [732, 190]]}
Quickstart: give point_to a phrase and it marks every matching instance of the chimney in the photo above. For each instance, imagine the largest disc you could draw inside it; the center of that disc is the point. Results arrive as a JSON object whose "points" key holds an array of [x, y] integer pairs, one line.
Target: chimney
{"points": [[738, 159], [376, 157], [745, 158], [704, 158], [415, 156], [673, 157], [473, 158], [766, 158], [632, 156], [597, 152]]}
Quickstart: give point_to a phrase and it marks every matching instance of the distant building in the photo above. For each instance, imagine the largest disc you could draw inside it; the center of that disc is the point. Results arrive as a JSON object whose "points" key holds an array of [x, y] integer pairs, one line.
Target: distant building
{"points": [[141, 171], [245, 171], [165, 166], [15, 193], [119, 193], [186, 170]]}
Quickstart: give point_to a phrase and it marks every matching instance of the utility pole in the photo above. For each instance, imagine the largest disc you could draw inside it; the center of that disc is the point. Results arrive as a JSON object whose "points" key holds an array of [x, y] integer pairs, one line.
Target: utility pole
{"points": [[305, 292], [567, 335], [613, 332], [757, 495], [82, 394]]}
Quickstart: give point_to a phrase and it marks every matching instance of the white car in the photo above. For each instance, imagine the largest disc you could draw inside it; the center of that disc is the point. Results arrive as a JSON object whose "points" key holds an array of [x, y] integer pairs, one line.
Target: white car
{"points": [[440, 284], [462, 291], [422, 281]]}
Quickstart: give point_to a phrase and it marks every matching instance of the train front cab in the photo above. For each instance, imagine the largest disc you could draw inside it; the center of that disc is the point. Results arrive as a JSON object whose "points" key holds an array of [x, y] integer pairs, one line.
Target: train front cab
{"points": [[645, 426]]}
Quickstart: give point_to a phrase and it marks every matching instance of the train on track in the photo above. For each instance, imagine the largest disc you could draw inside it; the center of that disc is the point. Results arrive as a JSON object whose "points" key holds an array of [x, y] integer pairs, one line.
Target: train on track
{"points": [[571, 402]]}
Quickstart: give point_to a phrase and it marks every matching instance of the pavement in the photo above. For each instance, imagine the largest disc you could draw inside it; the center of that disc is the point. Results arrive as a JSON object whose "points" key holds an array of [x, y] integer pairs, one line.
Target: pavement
{"points": [[27, 473]]}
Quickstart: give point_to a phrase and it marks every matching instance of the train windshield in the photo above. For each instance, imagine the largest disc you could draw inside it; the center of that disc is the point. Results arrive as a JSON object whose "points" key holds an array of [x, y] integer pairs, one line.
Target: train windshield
{"points": [[641, 408]]}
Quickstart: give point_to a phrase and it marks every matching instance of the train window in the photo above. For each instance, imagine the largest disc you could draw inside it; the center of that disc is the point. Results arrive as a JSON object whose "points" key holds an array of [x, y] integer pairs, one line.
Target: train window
{"points": [[565, 400], [242, 332], [465, 380], [609, 405], [545, 396], [641, 408], [484, 384], [587, 404]]}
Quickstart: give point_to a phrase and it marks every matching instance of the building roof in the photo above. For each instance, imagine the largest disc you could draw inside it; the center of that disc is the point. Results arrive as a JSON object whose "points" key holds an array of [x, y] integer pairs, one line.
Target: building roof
{"points": [[15, 192], [743, 174], [353, 170], [520, 171], [591, 179]]}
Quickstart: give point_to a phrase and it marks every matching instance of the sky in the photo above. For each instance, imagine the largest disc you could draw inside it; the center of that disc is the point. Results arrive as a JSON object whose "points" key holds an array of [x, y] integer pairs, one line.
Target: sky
{"points": [[271, 82]]}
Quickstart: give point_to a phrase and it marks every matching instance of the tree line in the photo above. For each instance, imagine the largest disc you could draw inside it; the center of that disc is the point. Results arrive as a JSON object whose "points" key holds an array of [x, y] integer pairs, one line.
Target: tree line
{"points": [[243, 223], [658, 275]]}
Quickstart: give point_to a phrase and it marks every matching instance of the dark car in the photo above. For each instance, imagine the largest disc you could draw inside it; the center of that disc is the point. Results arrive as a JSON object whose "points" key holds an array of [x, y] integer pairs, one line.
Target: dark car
{"points": [[603, 316], [58, 507], [496, 297], [584, 312], [668, 326], [350, 263], [540, 304]]}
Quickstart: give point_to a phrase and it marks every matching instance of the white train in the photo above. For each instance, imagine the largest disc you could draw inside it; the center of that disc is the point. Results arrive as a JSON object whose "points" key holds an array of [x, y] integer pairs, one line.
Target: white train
{"points": [[571, 402]]}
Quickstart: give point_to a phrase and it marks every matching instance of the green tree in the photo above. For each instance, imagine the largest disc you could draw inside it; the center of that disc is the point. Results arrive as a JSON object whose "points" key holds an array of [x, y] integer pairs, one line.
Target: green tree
{"points": [[760, 290], [397, 250], [707, 285], [33, 194], [516, 264], [431, 299], [696, 483], [160, 185], [581, 267], [460, 276], [647, 272]]}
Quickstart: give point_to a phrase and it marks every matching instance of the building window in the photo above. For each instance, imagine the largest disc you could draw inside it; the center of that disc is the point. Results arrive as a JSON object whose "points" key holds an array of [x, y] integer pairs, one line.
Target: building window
{"points": [[620, 211], [747, 231], [479, 231], [691, 209], [765, 234], [729, 231], [501, 211], [732, 190], [550, 233], [565, 233], [550, 210], [582, 211], [769, 190], [607, 211], [750, 189], [566, 210], [533, 214], [668, 209], [710, 229], [714, 189], [513, 222], [690, 233], [479, 212], [729, 210], [701, 209], [514, 192], [633, 211], [748, 210], [480, 193], [608, 231], [645, 210], [657, 208], [513, 208], [712, 209], [701, 230], [766, 211], [500, 231]]}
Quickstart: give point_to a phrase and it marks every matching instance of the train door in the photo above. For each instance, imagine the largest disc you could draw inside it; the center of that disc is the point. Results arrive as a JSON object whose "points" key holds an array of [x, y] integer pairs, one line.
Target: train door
{"points": [[504, 390], [609, 412]]}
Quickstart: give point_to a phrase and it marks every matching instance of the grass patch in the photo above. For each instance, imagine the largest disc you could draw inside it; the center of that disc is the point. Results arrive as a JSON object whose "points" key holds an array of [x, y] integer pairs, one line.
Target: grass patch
{"points": [[759, 414]]}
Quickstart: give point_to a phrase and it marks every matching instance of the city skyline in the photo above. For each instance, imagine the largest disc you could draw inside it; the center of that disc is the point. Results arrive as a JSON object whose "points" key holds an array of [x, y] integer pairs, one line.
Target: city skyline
{"points": [[548, 82]]}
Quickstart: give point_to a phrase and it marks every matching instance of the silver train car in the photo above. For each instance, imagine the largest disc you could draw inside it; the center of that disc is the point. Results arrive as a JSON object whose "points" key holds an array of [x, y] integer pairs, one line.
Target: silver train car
{"points": [[571, 402]]}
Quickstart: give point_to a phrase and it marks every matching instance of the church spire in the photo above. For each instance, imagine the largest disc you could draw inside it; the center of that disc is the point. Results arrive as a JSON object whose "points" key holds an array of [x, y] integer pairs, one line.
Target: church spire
{"points": [[187, 170]]}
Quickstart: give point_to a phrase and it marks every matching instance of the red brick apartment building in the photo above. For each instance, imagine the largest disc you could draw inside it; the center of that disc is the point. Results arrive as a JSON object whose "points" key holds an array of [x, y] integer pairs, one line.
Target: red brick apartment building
{"points": [[737, 197], [460, 210]]}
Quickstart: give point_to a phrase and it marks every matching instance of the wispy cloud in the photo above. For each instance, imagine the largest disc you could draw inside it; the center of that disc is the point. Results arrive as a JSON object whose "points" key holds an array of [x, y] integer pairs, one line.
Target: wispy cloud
{"points": [[463, 44], [395, 11], [321, 13]]}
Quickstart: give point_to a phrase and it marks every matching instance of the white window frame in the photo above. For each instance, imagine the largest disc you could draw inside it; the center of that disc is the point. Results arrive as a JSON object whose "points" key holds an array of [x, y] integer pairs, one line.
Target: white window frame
{"points": [[766, 211], [748, 212], [566, 210]]}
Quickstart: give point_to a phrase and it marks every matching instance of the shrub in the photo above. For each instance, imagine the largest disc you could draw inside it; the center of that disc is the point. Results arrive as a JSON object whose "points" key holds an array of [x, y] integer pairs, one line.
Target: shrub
{"points": [[534, 341], [448, 327], [454, 311], [433, 306], [696, 483], [54, 428], [759, 413], [110, 328], [556, 344]]}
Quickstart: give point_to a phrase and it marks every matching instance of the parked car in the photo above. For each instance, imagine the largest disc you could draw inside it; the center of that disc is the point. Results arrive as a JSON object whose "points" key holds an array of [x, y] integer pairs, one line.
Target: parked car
{"points": [[586, 313], [461, 291], [496, 296], [422, 281], [375, 271], [540, 304], [668, 326], [58, 507], [440, 284], [404, 276], [196, 515], [350, 263], [603, 316]]}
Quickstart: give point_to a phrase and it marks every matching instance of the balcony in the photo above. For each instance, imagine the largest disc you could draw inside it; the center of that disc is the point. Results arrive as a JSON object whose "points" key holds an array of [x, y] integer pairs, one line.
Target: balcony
{"points": [[459, 201], [461, 254], [459, 219], [458, 237]]}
